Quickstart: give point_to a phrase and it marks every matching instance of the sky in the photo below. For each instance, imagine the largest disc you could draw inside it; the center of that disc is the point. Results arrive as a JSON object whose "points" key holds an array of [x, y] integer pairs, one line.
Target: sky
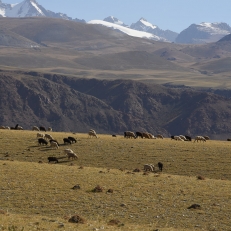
{"points": [[175, 15]]}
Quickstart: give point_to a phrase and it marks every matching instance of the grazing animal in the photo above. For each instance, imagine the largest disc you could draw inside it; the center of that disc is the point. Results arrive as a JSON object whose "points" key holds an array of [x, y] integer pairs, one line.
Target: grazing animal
{"points": [[189, 138], [178, 138], [41, 128], [40, 135], [129, 134], [54, 141], [67, 150], [7, 127], [72, 139], [19, 128], [54, 145], [42, 141], [160, 166], [35, 128], [172, 138], [113, 135], [72, 155], [48, 137], [147, 135], [160, 136], [66, 141], [92, 133], [228, 139], [2, 127], [183, 137], [49, 129], [139, 134], [52, 159], [206, 137], [199, 138], [148, 167]]}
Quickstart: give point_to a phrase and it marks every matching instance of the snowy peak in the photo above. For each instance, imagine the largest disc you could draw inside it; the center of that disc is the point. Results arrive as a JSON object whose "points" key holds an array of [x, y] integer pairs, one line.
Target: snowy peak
{"points": [[114, 20], [144, 25], [30, 8], [203, 33], [128, 31]]}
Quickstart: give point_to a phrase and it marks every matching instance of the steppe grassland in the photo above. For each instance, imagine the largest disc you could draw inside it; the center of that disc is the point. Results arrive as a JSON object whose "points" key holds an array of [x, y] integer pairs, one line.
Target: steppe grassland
{"points": [[149, 201]]}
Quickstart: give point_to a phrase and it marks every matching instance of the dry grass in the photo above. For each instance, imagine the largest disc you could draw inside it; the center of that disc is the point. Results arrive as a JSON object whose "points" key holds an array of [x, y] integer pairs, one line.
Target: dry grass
{"points": [[39, 196]]}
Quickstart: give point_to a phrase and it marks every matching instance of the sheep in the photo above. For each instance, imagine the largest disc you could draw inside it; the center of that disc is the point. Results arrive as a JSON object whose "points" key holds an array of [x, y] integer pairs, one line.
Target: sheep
{"points": [[178, 138], [67, 151], [54, 141], [160, 136], [129, 134], [49, 129], [35, 128], [19, 128], [201, 138], [228, 139], [51, 159], [2, 127], [206, 137], [72, 139], [160, 166], [189, 138], [54, 145], [148, 167], [66, 140], [72, 155], [41, 128], [183, 137], [92, 133], [172, 138], [139, 134], [7, 127], [113, 135], [48, 137], [146, 135], [40, 135], [42, 141]]}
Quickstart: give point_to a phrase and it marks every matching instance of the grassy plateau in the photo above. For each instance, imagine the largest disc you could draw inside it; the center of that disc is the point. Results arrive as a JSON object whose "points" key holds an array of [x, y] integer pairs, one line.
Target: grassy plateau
{"points": [[37, 195]]}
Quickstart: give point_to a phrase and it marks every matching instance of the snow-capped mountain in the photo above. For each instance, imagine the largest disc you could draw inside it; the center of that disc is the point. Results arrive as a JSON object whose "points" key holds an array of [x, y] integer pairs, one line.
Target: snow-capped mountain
{"points": [[203, 33], [128, 31], [29, 8], [115, 21], [144, 25]]}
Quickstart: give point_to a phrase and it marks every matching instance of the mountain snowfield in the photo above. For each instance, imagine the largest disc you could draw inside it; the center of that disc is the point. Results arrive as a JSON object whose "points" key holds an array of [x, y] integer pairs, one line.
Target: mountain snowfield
{"points": [[195, 34], [128, 31]]}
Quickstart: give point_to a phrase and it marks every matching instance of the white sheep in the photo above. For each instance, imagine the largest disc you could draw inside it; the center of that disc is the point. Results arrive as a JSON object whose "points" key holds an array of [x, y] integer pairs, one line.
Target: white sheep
{"points": [[40, 135], [19, 128], [149, 167], [67, 151], [7, 127], [178, 138], [182, 137], [72, 155], [201, 138], [92, 133], [54, 145], [35, 128], [48, 137]]}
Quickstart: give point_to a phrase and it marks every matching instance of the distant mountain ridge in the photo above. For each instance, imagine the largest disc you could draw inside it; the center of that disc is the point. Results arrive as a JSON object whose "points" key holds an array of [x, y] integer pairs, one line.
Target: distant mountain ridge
{"points": [[30, 8], [144, 25], [203, 33]]}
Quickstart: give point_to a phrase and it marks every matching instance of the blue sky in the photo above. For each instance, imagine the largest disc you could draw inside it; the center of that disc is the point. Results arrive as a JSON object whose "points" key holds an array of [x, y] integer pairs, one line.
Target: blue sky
{"points": [[175, 15]]}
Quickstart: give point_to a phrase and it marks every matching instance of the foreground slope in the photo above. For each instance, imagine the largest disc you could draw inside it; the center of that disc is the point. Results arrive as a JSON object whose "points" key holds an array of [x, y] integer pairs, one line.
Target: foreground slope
{"points": [[139, 201]]}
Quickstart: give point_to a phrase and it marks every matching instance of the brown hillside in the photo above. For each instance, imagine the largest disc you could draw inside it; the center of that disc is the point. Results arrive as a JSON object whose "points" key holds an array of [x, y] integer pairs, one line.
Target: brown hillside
{"points": [[72, 104]]}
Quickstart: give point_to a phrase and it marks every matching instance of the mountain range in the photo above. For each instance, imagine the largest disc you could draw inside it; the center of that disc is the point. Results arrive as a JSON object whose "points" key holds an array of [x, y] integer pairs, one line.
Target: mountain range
{"points": [[195, 34]]}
